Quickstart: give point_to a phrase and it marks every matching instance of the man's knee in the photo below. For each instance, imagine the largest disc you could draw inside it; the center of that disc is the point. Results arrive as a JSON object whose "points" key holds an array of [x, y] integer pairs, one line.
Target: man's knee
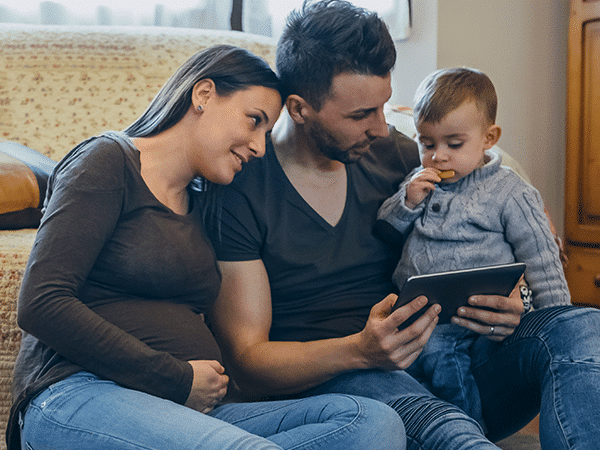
{"points": [[568, 332], [422, 415]]}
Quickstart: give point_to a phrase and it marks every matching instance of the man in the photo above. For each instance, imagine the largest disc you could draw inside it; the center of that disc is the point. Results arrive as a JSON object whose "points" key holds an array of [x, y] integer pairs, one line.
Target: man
{"points": [[305, 304]]}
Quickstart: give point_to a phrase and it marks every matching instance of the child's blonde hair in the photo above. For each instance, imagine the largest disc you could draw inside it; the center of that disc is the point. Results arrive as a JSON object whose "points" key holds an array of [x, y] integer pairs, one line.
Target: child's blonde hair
{"points": [[446, 89]]}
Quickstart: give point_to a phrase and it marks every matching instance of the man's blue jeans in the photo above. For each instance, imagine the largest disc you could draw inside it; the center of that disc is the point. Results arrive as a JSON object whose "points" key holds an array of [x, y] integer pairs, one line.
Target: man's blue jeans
{"points": [[550, 365], [83, 412]]}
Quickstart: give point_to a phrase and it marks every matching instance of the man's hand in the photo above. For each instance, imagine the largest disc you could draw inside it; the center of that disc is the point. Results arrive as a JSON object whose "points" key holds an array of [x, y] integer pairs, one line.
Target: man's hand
{"points": [[209, 385], [382, 345], [498, 324]]}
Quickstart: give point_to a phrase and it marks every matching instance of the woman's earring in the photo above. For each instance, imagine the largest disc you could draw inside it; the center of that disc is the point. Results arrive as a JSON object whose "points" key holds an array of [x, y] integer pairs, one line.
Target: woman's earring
{"points": [[200, 108]]}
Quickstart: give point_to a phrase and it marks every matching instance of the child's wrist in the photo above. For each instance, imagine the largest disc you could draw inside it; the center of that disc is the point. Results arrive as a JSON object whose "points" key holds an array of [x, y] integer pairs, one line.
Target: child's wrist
{"points": [[409, 204]]}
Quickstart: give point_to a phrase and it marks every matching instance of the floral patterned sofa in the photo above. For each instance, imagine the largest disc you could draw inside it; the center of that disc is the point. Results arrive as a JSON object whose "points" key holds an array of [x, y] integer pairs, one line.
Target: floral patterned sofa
{"points": [[58, 86]]}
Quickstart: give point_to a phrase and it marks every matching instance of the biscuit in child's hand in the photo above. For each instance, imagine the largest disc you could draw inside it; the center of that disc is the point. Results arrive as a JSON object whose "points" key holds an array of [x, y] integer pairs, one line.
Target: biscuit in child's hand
{"points": [[446, 174]]}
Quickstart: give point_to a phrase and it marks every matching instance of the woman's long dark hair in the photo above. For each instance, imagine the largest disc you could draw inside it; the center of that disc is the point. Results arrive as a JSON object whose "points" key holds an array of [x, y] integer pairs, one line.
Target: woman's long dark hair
{"points": [[231, 68]]}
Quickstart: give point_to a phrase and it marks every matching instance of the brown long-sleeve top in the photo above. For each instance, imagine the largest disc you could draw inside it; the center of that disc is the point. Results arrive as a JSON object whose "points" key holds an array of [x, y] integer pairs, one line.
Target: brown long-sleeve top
{"points": [[115, 284]]}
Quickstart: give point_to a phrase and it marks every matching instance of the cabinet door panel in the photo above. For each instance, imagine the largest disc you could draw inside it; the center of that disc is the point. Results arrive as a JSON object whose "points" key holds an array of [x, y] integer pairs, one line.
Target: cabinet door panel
{"points": [[583, 275], [582, 190], [591, 122]]}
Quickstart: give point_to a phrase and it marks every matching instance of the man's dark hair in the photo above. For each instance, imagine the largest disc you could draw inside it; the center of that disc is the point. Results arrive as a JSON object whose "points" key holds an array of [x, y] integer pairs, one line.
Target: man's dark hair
{"points": [[329, 37]]}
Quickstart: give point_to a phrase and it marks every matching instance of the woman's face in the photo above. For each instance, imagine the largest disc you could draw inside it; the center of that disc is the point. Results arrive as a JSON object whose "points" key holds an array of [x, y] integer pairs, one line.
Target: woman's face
{"points": [[232, 130]]}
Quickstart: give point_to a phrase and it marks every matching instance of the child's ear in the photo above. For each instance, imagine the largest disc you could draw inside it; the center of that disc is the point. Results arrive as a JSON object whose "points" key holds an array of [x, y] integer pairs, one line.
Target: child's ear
{"points": [[492, 136]]}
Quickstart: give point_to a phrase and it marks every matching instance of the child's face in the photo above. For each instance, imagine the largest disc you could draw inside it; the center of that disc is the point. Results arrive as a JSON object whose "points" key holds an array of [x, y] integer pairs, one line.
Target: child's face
{"points": [[457, 142]]}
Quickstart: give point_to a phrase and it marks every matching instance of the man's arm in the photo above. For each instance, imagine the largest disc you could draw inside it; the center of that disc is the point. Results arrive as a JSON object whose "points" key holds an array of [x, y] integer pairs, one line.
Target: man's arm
{"points": [[241, 320]]}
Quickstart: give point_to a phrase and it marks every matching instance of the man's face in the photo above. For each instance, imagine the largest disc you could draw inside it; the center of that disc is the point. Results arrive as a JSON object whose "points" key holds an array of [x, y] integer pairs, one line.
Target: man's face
{"points": [[351, 117]]}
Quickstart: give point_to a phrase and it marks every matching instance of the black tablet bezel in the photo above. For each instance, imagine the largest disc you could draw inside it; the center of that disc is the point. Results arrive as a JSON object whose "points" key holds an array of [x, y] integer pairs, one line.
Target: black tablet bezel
{"points": [[452, 289]]}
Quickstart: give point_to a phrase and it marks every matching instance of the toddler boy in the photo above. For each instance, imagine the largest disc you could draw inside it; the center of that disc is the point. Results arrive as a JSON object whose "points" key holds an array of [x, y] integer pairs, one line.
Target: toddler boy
{"points": [[461, 209]]}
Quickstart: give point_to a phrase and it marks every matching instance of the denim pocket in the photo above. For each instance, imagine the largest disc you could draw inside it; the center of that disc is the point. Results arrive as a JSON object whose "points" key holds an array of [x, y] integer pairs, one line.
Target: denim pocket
{"points": [[63, 390]]}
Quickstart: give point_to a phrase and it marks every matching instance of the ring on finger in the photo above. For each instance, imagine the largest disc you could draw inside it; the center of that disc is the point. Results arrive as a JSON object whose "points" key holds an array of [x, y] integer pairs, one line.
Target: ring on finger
{"points": [[492, 331]]}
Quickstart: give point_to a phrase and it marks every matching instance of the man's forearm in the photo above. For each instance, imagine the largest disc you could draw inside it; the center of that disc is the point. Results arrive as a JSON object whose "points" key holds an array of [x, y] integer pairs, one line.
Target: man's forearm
{"points": [[279, 368]]}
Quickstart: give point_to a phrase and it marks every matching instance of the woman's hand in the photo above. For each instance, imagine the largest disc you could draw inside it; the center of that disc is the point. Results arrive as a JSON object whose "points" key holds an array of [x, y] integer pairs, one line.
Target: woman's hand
{"points": [[209, 385], [497, 324]]}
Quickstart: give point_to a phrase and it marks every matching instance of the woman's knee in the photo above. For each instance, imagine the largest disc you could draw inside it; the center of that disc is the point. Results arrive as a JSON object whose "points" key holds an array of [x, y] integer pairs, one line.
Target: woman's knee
{"points": [[374, 424]]}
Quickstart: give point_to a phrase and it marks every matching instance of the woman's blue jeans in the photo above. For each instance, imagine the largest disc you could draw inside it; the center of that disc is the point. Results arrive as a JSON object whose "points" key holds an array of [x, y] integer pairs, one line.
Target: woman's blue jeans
{"points": [[83, 412], [550, 366]]}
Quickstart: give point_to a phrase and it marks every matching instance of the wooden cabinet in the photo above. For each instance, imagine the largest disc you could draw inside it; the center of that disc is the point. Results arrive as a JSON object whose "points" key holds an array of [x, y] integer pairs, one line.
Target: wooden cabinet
{"points": [[582, 190]]}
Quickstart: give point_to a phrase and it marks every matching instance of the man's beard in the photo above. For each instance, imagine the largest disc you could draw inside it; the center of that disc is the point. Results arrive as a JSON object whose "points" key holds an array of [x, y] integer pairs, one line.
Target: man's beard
{"points": [[330, 147]]}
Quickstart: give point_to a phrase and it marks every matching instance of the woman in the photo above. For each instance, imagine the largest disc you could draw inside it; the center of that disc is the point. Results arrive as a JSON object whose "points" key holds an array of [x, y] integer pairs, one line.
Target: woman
{"points": [[115, 353]]}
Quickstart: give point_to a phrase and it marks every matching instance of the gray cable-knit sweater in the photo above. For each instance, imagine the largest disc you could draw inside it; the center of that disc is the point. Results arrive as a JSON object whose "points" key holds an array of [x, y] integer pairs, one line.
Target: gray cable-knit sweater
{"points": [[488, 217]]}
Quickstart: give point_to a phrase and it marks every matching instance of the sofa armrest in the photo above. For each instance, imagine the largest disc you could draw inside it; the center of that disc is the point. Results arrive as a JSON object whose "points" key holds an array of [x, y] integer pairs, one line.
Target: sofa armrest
{"points": [[15, 246]]}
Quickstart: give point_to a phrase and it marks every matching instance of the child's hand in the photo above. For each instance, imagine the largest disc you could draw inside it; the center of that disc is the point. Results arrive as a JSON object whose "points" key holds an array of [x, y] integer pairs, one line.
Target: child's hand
{"points": [[421, 184]]}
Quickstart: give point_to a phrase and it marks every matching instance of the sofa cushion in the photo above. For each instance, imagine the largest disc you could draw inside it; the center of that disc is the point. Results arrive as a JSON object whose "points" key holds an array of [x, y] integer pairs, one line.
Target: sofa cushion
{"points": [[23, 179]]}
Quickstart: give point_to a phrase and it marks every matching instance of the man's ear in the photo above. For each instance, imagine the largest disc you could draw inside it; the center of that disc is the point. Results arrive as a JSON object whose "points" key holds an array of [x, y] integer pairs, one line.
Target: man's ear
{"points": [[298, 108], [203, 90], [492, 136]]}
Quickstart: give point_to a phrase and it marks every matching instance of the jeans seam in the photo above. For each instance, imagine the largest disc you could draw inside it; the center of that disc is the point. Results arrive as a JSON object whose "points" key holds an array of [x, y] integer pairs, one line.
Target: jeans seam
{"points": [[555, 400], [258, 414]]}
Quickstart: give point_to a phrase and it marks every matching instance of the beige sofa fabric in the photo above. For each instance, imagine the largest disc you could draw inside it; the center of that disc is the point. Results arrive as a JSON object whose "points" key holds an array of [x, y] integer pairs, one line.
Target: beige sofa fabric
{"points": [[60, 85], [14, 251]]}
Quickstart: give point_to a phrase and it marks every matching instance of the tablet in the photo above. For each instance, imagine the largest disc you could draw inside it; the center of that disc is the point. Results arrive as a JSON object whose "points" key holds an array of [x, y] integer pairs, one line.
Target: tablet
{"points": [[452, 289]]}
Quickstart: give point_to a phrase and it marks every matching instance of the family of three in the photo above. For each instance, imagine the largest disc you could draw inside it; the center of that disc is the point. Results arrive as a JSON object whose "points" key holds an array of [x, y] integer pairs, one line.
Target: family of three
{"points": [[213, 276]]}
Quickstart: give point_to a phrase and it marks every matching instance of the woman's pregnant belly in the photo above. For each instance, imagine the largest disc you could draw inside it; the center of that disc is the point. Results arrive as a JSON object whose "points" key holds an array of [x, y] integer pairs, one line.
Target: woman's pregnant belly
{"points": [[163, 326]]}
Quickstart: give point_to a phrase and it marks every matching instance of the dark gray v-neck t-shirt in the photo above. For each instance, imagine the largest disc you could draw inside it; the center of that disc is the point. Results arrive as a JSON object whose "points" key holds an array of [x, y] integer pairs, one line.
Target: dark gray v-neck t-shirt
{"points": [[324, 279]]}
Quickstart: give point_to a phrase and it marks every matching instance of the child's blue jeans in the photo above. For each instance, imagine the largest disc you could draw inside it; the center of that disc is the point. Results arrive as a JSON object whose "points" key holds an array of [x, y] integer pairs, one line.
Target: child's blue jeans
{"points": [[444, 368]]}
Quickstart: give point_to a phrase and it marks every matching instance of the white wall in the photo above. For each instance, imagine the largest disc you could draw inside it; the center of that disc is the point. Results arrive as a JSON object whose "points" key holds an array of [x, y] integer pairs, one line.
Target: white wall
{"points": [[522, 46], [417, 56]]}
